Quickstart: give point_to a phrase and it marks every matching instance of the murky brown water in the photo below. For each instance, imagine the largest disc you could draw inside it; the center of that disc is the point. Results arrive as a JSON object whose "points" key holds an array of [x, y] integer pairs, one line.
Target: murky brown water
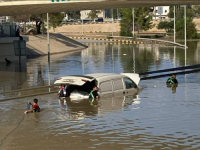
{"points": [[159, 118]]}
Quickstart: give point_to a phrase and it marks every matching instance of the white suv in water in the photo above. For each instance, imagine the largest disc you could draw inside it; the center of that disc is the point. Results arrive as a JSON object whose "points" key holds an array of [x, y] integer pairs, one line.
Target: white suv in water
{"points": [[108, 84]]}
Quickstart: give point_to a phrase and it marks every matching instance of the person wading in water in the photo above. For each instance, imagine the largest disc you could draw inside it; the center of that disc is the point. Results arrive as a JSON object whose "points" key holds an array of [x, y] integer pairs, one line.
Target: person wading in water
{"points": [[172, 80]]}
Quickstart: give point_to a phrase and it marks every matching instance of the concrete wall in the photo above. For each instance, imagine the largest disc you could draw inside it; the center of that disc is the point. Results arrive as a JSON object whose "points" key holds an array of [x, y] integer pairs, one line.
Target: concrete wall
{"points": [[7, 50], [101, 27], [37, 45], [107, 27]]}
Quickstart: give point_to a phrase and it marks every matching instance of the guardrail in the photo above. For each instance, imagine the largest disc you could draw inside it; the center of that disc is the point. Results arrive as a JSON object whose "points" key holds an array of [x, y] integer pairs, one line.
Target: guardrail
{"points": [[163, 41], [186, 70], [148, 39]]}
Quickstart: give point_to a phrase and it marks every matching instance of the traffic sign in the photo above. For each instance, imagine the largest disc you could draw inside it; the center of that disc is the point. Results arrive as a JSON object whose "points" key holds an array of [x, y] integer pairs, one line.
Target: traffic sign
{"points": [[160, 10]]}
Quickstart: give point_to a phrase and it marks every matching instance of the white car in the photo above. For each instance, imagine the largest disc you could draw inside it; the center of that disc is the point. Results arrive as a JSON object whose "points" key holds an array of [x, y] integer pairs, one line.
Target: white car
{"points": [[108, 84]]}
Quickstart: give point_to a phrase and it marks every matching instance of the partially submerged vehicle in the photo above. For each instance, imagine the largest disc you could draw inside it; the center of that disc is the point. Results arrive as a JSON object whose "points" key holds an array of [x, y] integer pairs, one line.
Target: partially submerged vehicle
{"points": [[79, 86]]}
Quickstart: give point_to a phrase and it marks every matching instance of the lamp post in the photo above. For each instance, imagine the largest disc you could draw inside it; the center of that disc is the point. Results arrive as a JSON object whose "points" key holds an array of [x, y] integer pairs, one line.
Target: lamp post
{"points": [[82, 21], [112, 21], [185, 32], [174, 36], [174, 24], [48, 47], [133, 22]]}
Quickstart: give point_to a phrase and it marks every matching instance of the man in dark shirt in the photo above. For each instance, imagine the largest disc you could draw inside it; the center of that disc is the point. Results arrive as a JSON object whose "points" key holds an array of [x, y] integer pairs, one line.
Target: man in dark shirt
{"points": [[93, 94], [172, 80]]}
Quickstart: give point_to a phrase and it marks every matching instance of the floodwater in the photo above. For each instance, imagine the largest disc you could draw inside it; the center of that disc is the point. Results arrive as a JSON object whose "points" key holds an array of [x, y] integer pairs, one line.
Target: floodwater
{"points": [[158, 118]]}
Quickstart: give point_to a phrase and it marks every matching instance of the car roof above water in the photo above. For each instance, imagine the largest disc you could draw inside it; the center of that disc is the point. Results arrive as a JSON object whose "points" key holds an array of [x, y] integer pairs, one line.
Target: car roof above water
{"points": [[100, 77], [105, 76]]}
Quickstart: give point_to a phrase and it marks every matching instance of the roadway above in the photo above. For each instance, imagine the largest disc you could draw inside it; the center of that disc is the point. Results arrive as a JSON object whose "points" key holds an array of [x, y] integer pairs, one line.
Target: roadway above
{"points": [[20, 7]]}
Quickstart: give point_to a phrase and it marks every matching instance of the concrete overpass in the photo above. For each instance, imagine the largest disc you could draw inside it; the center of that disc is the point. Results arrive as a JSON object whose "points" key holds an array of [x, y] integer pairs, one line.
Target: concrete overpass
{"points": [[19, 7]]}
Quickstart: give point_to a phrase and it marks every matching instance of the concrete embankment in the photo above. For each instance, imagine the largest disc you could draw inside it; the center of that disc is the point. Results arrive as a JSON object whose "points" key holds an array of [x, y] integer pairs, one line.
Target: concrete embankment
{"points": [[109, 27], [37, 45]]}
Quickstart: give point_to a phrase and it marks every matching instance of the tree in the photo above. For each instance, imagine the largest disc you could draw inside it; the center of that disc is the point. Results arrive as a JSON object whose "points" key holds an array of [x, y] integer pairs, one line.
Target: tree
{"points": [[191, 27], [55, 19], [21, 18], [191, 32], [74, 15], [142, 20], [196, 9], [94, 14], [126, 24], [168, 26]]}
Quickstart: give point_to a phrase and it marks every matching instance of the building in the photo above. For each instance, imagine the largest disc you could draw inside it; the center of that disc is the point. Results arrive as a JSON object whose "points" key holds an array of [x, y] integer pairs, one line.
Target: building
{"points": [[160, 12], [2, 19], [85, 13]]}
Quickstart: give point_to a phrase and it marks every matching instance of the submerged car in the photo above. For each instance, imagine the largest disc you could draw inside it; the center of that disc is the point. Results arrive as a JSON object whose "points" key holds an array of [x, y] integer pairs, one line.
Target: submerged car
{"points": [[79, 86]]}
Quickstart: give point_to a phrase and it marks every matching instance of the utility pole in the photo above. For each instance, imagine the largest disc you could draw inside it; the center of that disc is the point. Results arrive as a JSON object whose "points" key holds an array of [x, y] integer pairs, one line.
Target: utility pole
{"points": [[48, 47], [133, 22], [112, 21], [174, 24], [174, 36], [185, 34]]}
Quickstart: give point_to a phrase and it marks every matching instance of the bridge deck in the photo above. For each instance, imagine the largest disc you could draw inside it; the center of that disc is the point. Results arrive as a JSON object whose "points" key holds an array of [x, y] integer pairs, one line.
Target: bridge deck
{"points": [[19, 7]]}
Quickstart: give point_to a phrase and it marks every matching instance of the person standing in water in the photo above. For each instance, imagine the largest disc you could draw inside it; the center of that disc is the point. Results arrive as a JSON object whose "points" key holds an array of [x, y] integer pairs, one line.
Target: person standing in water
{"points": [[62, 94], [93, 94], [62, 91], [172, 80]]}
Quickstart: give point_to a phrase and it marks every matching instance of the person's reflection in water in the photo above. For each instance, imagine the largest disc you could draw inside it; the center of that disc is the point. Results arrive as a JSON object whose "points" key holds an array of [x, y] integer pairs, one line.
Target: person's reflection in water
{"points": [[173, 87], [62, 102], [94, 103]]}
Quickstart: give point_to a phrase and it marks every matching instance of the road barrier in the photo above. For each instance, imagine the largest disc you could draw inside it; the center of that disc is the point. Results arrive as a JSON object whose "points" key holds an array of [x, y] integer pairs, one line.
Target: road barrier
{"points": [[187, 70], [110, 40]]}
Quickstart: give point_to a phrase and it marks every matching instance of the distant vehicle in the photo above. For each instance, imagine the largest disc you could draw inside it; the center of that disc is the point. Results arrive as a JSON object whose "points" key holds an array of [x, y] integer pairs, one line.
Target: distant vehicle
{"points": [[118, 19], [108, 84], [86, 20], [99, 20], [75, 20]]}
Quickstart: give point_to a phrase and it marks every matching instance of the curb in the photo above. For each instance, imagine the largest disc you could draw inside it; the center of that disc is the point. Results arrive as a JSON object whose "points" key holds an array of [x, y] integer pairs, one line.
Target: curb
{"points": [[117, 41]]}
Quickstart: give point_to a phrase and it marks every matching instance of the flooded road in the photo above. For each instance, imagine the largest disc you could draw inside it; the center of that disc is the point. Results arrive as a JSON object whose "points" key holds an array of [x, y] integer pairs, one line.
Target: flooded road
{"points": [[158, 118]]}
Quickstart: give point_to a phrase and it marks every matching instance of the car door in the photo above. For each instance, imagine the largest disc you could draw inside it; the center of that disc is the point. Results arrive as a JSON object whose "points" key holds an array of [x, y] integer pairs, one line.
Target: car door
{"points": [[130, 86], [118, 87], [106, 89]]}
